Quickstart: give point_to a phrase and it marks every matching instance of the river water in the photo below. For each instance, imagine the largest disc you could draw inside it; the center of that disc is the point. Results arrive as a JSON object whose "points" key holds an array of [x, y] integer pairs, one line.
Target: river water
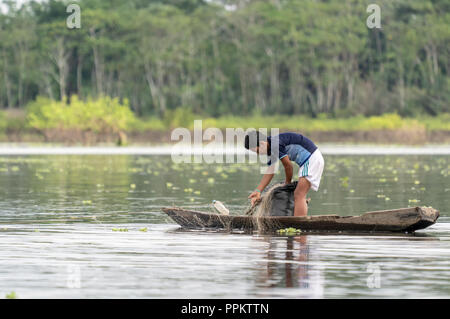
{"points": [[91, 226]]}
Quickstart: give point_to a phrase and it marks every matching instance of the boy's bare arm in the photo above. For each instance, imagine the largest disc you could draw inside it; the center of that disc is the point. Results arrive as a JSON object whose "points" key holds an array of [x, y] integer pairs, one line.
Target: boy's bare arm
{"points": [[265, 181], [256, 195], [288, 169]]}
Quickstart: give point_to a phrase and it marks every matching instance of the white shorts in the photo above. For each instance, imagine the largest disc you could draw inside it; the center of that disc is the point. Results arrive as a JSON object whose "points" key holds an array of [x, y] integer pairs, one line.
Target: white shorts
{"points": [[312, 169]]}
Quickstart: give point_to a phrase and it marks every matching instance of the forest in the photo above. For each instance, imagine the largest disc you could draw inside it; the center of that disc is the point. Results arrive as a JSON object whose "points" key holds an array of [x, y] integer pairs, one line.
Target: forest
{"points": [[230, 58]]}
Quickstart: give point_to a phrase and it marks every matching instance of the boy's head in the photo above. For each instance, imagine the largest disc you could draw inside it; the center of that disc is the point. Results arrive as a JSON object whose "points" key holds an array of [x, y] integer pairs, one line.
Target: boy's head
{"points": [[256, 141]]}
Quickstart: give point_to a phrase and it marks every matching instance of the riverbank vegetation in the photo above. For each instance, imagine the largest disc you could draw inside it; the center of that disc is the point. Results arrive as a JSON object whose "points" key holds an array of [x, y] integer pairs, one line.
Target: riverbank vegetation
{"points": [[109, 120], [293, 64], [109, 115], [101, 115], [231, 57]]}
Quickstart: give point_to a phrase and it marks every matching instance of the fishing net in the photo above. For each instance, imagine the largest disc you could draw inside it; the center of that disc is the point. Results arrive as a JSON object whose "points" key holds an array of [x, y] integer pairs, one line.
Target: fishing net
{"points": [[277, 200]]}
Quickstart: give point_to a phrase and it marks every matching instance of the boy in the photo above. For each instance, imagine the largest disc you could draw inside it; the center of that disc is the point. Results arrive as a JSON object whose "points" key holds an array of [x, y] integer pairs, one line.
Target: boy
{"points": [[288, 147]]}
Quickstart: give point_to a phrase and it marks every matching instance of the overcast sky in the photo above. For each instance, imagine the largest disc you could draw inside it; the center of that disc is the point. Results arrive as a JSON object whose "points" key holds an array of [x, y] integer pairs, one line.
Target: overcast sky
{"points": [[19, 2]]}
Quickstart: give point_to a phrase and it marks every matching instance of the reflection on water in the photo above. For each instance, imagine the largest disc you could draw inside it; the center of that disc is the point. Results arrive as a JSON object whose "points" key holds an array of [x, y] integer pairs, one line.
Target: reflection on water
{"points": [[292, 263], [91, 260], [63, 222]]}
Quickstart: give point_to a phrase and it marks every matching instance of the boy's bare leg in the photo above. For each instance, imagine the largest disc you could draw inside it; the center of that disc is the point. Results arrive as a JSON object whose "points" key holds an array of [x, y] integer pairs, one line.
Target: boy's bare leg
{"points": [[300, 204]]}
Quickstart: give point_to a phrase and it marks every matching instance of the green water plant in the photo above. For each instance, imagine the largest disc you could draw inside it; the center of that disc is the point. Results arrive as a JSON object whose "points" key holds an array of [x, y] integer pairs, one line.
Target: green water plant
{"points": [[11, 295], [289, 231]]}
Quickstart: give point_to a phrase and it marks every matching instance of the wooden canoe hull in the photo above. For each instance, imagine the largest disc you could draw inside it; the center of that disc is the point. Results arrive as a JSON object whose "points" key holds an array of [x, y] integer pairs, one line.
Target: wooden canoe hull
{"points": [[397, 220]]}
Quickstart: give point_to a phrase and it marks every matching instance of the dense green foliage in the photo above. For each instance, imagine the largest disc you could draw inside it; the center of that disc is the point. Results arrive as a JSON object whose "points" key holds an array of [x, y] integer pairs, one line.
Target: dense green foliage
{"points": [[247, 58], [323, 123], [179, 118], [100, 115], [307, 124]]}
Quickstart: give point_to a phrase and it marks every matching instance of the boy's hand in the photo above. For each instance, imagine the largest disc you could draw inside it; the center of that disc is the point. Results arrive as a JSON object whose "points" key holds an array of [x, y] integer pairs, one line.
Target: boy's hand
{"points": [[255, 197]]}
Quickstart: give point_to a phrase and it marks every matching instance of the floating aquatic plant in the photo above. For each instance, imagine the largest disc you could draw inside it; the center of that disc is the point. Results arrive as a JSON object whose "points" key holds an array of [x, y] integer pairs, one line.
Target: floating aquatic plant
{"points": [[11, 295], [344, 181], [289, 231]]}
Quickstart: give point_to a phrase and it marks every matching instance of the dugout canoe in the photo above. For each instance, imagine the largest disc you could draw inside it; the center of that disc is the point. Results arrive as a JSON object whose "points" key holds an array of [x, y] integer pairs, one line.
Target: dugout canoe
{"points": [[396, 220]]}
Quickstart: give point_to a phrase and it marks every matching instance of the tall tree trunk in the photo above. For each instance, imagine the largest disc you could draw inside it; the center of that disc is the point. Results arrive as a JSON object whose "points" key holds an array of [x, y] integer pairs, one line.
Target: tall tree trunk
{"points": [[46, 72], [296, 87], [98, 64], [260, 99], [60, 57], [157, 98], [160, 77], [204, 80], [21, 76], [218, 75], [401, 85], [337, 97], [80, 76], [7, 82], [329, 102], [435, 59], [244, 88], [430, 64], [274, 83]]}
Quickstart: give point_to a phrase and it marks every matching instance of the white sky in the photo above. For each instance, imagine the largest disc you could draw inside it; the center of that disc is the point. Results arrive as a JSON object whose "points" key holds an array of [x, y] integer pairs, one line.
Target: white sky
{"points": [[18, 3]]}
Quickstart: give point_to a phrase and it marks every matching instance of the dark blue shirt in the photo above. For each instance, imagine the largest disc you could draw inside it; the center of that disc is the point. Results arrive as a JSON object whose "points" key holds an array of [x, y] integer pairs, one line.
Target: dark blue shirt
{"points": [[299, 148]]}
